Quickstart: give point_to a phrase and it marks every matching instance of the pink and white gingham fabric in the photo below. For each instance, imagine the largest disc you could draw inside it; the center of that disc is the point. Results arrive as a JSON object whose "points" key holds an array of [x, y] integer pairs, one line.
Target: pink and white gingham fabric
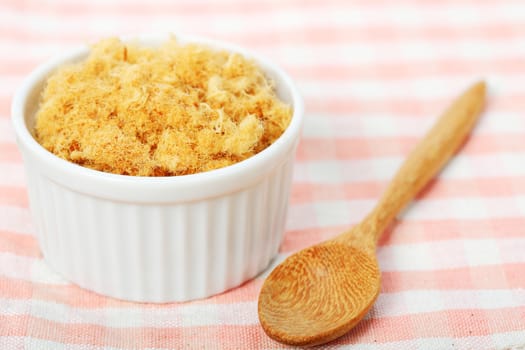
{"points": [[374, 75]]}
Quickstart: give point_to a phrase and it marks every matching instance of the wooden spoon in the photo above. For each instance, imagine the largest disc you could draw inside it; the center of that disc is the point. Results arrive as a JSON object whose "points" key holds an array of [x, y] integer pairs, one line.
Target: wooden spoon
{"points": [[321, 292]]}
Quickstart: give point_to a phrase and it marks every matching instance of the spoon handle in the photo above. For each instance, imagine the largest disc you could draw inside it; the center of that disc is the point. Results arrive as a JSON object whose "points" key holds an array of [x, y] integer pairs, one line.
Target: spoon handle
{"points": [[429, 156]]}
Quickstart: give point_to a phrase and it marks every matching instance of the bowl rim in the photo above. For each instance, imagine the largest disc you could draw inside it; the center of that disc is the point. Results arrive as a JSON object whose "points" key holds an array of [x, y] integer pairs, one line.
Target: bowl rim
{"points": [[157, 189]]}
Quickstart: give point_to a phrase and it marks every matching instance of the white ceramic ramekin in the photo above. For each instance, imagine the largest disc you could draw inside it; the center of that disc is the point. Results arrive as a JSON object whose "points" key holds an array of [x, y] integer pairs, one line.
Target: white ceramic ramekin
{"points": [[158, 239]]}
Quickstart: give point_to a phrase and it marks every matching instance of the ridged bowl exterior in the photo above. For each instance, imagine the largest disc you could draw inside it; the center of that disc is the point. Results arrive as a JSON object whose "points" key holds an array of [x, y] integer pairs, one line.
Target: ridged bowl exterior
{"points": [[157, 239], [159, 253]]}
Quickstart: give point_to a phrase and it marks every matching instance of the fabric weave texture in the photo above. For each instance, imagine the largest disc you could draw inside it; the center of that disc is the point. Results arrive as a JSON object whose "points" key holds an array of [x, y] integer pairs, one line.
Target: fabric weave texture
{"points": [[374, 75]]}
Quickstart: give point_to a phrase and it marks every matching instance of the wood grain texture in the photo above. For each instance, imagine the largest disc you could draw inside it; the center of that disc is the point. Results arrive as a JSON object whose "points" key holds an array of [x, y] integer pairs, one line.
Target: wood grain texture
{"points": [[326, 287], [321, 292], [429, 157], [421, 165]]}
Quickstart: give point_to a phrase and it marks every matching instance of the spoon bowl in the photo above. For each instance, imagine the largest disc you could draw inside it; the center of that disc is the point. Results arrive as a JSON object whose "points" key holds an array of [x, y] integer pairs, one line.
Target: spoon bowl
{"points": [[322, 288]]}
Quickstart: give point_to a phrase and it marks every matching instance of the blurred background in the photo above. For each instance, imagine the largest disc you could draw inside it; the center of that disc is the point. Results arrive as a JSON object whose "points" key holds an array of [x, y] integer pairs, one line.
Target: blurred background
{"points": [[349, 57]]}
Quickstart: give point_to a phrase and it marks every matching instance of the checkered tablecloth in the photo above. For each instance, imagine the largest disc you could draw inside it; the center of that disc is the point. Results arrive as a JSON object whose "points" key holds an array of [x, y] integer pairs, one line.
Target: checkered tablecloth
{"points": [[374, 76]]}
